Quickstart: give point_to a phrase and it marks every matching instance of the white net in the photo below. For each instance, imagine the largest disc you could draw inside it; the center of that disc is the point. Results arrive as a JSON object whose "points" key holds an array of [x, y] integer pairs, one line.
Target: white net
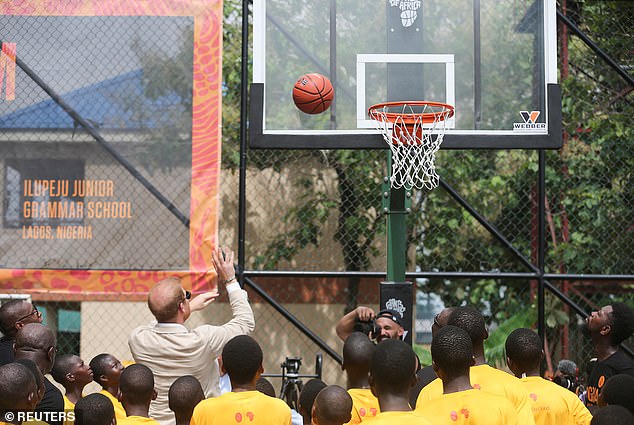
{"points": [[414, 133]]}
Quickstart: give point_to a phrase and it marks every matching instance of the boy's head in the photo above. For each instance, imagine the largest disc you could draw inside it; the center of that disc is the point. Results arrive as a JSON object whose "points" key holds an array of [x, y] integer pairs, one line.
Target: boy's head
{"points": [[524, 351], [70, 370], [357, 354], [264, 386], [106, 370], [307, 398], [94, 409], [242, 360], [617, 390], [451, 352], [333, 406], [470, 320], [184, 394], [612, 415], [136, 386], [393, 368], [18, 388]]}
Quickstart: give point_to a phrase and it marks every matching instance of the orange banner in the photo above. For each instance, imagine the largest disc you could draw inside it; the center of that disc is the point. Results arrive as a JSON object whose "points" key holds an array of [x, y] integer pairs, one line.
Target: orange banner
{"points": [[205, 154]]}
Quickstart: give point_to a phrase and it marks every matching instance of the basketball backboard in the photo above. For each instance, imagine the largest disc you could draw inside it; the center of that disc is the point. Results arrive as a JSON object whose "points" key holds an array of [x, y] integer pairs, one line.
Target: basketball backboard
{"points": [[494, 60]]}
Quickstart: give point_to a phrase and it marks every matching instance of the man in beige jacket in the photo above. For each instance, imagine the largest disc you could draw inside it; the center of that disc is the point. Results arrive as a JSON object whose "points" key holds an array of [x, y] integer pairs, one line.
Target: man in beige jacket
{"points": [[171, 350]]}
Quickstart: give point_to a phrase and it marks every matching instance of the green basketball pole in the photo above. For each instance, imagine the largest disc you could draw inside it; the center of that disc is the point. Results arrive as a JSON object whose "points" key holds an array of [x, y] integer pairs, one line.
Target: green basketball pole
{"points": [[396, 293]]}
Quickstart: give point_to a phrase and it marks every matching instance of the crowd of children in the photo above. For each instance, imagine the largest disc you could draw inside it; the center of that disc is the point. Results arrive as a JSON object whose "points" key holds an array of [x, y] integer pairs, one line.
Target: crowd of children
{"points": [[386, 384]]}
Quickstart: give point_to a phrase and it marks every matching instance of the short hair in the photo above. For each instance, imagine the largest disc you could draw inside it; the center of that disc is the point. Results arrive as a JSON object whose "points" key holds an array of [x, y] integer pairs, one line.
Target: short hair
{"points": [[452, 350], [612, 415], [165, 309], [184, 394], [308, 394], [524, 347], [333, 406], [617, 390], [137, 383], [9, 312], [470, 320], [16, 382], [94, 409], [264, 386], [357, 352], [622, 320], [35, 336], [98, 364], [62, 366], [242, 358], [442, 316], [393, 366]]}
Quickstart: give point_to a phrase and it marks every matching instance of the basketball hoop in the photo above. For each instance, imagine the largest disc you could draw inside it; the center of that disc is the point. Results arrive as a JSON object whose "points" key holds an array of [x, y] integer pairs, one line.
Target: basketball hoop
{"points": [[414, 131]]}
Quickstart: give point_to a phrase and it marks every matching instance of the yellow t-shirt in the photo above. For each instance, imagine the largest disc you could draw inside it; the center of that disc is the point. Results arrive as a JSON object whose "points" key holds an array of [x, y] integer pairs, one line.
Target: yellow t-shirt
{"points": [[469, 407], [494, 381], [137, 420], [552, 404], [119, 411], [250, 407], [398, 418], [69, 406], [364, 405]]}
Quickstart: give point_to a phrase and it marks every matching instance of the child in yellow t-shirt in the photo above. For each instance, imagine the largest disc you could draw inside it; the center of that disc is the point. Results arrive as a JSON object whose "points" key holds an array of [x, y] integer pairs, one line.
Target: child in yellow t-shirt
{"points": [[550, 403], [137, 392], [73, 374], [107, 370], [481, 375], [332, 406], [94, 409], [392, 375], [184, 394], [357, 353], [242, 361], [460, 403]]}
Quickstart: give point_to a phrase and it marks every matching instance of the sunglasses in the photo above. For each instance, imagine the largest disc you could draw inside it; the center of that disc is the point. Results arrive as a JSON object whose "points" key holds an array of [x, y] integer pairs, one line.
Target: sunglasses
{"points": [[34, 312], [188, 295], [436, 320]]}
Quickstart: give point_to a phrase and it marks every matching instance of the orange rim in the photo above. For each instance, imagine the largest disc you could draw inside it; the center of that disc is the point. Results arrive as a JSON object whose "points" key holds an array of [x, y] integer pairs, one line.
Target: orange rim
{"points": [[410, 118]]}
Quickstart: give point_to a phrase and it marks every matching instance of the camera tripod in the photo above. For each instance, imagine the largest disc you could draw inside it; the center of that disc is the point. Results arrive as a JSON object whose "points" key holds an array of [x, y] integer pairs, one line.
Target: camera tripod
{"points": [[291, 379]]}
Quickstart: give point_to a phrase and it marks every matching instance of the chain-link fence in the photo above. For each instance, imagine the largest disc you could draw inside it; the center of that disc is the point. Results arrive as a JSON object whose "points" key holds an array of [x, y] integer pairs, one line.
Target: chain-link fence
{"points": [[321, 210]]}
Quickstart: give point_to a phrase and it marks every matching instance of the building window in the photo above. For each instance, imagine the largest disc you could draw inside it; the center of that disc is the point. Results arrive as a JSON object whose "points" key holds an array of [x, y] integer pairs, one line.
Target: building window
{"points": [[40, 192]]}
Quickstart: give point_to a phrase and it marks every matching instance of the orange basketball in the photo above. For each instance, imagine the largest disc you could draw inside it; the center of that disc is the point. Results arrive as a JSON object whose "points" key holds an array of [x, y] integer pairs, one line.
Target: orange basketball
{"points": [[313, 93]]}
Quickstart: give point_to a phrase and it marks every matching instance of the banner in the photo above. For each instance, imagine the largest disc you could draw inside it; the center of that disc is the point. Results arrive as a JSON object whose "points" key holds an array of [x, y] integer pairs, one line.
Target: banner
{"points": [[110, 114]]}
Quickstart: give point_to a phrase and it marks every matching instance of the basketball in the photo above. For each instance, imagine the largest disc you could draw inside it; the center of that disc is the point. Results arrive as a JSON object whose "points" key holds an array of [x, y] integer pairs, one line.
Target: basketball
{"points": [[313, 93]]}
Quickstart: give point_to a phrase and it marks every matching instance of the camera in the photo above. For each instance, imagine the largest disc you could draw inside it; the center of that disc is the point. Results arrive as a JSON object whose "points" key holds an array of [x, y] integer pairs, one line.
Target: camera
{"points": [[291, 365], [368, 327], [568, 382], [567, 376]]}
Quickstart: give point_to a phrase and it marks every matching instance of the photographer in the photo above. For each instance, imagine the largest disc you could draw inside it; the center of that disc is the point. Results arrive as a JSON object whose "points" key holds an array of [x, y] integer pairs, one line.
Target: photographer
{"points": [[567, 376], [387, 324]]}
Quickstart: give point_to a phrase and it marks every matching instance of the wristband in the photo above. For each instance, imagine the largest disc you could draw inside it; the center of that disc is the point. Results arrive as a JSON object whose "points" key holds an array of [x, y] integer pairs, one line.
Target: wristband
{"points": [[230, 280]]}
